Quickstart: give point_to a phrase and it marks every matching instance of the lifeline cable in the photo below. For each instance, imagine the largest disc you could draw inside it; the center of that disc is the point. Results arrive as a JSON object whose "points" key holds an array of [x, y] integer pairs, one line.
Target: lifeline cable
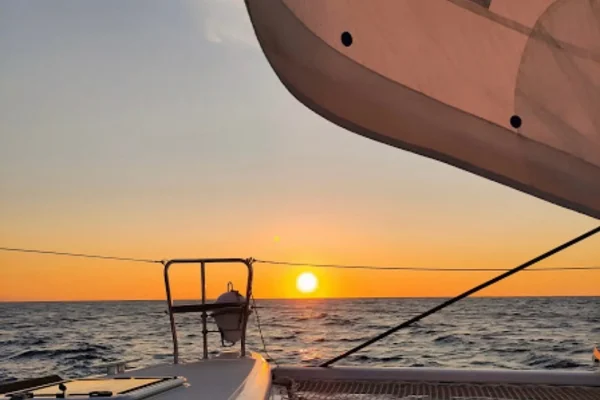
{"points": [[462, 296], [289, 263], [423, 269], [59, 253]]}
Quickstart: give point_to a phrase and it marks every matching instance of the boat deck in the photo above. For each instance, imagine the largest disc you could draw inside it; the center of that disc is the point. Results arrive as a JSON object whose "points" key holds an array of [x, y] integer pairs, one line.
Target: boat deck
{"points": [[363, 390], [240, 378], [355, 383]]}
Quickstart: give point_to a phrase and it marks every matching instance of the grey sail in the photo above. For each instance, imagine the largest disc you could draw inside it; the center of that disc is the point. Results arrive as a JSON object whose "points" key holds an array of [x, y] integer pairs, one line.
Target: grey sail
{"points": [[508, 90]]}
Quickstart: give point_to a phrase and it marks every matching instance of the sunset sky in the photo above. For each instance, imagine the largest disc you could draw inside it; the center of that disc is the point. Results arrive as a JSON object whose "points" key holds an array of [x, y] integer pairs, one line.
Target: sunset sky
{"points": [[158, 130]]}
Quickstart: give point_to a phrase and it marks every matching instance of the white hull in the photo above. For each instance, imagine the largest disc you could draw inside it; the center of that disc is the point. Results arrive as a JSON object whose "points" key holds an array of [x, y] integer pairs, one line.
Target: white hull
{"points": [[247, 378]]}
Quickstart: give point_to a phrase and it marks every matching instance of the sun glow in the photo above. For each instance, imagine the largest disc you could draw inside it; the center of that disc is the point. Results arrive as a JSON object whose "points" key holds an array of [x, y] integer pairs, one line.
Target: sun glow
{"points": [[307, 282]]}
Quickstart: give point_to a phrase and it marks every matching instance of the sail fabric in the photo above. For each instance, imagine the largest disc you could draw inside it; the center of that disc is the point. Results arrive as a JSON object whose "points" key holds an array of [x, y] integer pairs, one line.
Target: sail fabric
{"points": [[508, 90]]}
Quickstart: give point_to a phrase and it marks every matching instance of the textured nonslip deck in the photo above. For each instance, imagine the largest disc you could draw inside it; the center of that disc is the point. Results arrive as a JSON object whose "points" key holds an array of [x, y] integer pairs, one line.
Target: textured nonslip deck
{"points": [[363, 390]]}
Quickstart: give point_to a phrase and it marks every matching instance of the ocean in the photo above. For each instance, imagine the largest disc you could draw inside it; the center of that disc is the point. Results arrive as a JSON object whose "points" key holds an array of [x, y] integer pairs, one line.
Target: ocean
{"points": [[75, 339]]}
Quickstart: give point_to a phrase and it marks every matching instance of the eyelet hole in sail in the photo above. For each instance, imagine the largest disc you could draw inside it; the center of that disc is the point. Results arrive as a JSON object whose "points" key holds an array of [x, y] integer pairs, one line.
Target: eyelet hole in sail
{"points": [[346, 39], [516, 122]]}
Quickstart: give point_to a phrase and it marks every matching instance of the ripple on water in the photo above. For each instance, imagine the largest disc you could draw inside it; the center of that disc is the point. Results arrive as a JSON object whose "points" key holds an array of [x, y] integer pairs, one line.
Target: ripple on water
{"points": [[71, 339]]}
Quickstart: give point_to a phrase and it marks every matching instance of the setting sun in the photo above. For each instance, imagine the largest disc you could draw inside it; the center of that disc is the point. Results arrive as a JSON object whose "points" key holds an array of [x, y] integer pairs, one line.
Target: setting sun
{"points": [[307, 282]]}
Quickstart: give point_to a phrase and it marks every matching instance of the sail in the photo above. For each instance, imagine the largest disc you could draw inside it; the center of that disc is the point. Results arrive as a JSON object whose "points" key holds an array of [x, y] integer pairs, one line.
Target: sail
{"points": [[508, 90]]}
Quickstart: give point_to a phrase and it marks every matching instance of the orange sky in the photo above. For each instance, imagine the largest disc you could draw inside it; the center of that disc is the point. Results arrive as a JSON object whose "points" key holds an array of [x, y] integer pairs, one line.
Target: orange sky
{"points": [[35, 277], [483, 225], [165, 133]]}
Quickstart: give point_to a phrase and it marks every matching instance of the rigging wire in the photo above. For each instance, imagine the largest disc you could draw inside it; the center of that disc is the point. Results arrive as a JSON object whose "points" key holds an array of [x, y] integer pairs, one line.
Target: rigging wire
{"points": [[426, 269], [298, 264], [262, 338], [461, 296], [83, 255]]}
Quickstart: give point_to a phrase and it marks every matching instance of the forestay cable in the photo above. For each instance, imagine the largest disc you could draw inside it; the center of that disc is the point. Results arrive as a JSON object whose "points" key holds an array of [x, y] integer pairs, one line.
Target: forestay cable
{"points": [[463, 295]]}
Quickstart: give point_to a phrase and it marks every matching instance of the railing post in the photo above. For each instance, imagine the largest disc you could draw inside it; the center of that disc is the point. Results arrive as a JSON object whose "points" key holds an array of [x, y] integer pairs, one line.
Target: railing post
{"points": [[204, 316], [171, 308], [245, 315], [171, 317]]}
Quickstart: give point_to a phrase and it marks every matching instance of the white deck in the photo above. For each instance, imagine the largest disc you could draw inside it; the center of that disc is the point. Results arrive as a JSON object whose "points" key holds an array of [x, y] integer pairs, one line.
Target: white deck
{"points": [[214, 379]]}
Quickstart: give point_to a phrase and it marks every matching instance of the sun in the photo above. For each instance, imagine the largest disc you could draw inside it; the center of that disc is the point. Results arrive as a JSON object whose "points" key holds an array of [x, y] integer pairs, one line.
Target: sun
{"points": [[307, 282]]}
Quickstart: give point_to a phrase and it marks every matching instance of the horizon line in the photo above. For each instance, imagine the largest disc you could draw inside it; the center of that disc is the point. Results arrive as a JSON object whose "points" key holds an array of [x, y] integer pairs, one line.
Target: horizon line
{"points": [[305, 298]]}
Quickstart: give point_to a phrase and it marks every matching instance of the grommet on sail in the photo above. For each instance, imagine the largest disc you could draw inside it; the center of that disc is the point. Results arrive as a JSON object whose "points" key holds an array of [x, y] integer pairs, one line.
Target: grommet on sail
{"points": [[508, 90]]}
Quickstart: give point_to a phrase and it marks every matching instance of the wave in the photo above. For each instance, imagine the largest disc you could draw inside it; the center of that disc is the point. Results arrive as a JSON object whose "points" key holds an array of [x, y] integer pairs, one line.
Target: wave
{"points": [[312, 317], [86, 352], [549, 362], [282, 337], [511, 350], [31, 343], [350, 339], [338, 321], [451, 339], [277, 325]]}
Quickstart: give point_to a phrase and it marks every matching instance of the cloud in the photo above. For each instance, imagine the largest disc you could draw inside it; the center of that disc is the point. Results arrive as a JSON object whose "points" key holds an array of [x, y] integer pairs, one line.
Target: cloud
{"points": [[224, 21]]}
